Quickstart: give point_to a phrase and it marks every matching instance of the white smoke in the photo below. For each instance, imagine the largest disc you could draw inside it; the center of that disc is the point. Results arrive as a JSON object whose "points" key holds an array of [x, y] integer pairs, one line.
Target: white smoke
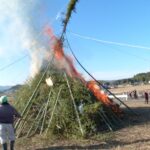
{"points": [[10, 16], [20, 20]]}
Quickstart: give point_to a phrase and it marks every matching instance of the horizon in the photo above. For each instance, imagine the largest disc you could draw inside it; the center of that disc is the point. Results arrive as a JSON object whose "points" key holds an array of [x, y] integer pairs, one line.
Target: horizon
{"points": [[87, 80]]}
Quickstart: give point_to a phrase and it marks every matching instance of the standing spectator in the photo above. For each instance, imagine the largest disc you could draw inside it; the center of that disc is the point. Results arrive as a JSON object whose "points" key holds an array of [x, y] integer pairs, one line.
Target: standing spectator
{"points": [[135, 94], [130, 95], [146, 97], [7, 116]]}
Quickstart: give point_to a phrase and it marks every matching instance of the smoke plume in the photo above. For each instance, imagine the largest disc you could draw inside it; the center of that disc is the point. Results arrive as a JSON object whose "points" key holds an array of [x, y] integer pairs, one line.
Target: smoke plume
{"points": [[22, 21]]}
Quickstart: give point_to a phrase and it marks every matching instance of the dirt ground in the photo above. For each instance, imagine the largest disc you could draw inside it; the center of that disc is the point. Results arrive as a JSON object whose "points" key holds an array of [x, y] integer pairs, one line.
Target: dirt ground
{"points": [[133, 135], [125, 89]]}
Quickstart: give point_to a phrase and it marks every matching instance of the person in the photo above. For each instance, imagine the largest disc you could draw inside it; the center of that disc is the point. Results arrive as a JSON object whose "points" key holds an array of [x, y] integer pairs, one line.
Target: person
{"points": [[146, 97], [8, 114], [81, 107], [135, 94], [130, 95]]}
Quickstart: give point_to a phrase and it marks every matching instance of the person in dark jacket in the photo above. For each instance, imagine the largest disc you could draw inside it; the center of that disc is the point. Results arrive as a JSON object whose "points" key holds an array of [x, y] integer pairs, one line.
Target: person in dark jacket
{"points": [[146, 97], [7, 116]]}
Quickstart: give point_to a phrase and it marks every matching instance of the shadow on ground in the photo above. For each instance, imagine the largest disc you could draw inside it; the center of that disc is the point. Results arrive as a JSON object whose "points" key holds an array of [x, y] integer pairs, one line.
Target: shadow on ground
{"points": [[72, 147], [141, 117], [107, 145]]}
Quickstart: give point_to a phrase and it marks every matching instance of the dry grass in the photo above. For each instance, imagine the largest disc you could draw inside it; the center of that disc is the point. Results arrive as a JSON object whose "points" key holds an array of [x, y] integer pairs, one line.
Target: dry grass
{"points": [[134, 135], [138, 88]]}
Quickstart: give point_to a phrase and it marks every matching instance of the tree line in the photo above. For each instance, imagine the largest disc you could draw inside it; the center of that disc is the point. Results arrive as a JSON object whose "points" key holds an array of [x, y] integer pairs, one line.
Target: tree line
{"points": [[140, 78]]}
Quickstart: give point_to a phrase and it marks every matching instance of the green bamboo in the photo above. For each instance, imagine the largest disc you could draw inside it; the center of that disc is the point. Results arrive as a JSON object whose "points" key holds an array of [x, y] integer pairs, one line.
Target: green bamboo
{"points": [[23, 125], [49, 123], [98, 81], [103, 118], [46, 107], [74, 104], [115, 118], [71, 7], [29, 131], [28, 105], [38, 123]]}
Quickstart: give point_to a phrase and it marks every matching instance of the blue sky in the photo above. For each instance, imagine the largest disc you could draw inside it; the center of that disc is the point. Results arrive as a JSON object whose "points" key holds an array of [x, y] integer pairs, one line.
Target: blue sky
{"points": [[118, 21]]}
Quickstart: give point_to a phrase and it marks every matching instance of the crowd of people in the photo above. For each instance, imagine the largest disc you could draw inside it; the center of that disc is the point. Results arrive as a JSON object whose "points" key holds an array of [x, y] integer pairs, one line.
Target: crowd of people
{"points": [[134, 95]]}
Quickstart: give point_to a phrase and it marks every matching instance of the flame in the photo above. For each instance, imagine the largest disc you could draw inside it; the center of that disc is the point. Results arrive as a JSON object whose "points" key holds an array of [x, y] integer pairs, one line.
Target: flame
{"points": [[101, 96], [66, 63]]}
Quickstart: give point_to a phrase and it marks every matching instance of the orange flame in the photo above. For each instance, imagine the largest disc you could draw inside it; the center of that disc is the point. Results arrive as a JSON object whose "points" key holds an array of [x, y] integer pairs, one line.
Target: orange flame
{"points": [[69, 68], [101, 96], [61, 57]]}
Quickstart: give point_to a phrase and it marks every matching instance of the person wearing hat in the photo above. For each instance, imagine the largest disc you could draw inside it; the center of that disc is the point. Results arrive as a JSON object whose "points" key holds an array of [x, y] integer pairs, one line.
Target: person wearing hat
{"points": [[7, 116]]}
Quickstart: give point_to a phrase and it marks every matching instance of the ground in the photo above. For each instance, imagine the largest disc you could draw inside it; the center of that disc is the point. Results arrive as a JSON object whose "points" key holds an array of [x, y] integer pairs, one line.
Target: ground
{"points": [[130, 88], [133, 135]]}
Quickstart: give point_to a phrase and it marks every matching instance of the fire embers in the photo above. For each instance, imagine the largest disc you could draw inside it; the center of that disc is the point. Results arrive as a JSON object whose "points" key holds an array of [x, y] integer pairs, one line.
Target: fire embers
{"points": [[101, 96]]}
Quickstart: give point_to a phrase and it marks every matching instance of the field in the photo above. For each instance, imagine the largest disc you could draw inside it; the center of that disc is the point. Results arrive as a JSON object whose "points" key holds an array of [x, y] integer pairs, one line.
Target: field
{"points": [[134, 134], [125, 89]]}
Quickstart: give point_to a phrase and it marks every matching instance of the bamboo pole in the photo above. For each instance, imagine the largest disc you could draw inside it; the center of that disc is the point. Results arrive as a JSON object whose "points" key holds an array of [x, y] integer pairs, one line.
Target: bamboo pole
{"points": [[98, 81], [29, 131], [24, 118], [22, 122], [46, 107], [71, 7], [103, 118], [49, 123], [23, 125], [28, 105], [74, 104], [115, 118], [38, 123]]}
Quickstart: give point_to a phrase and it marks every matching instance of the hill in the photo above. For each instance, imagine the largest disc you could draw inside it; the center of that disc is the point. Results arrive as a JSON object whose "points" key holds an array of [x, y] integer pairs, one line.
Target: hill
{"points": [[138, 79], [3, 88], [9, 90]]}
